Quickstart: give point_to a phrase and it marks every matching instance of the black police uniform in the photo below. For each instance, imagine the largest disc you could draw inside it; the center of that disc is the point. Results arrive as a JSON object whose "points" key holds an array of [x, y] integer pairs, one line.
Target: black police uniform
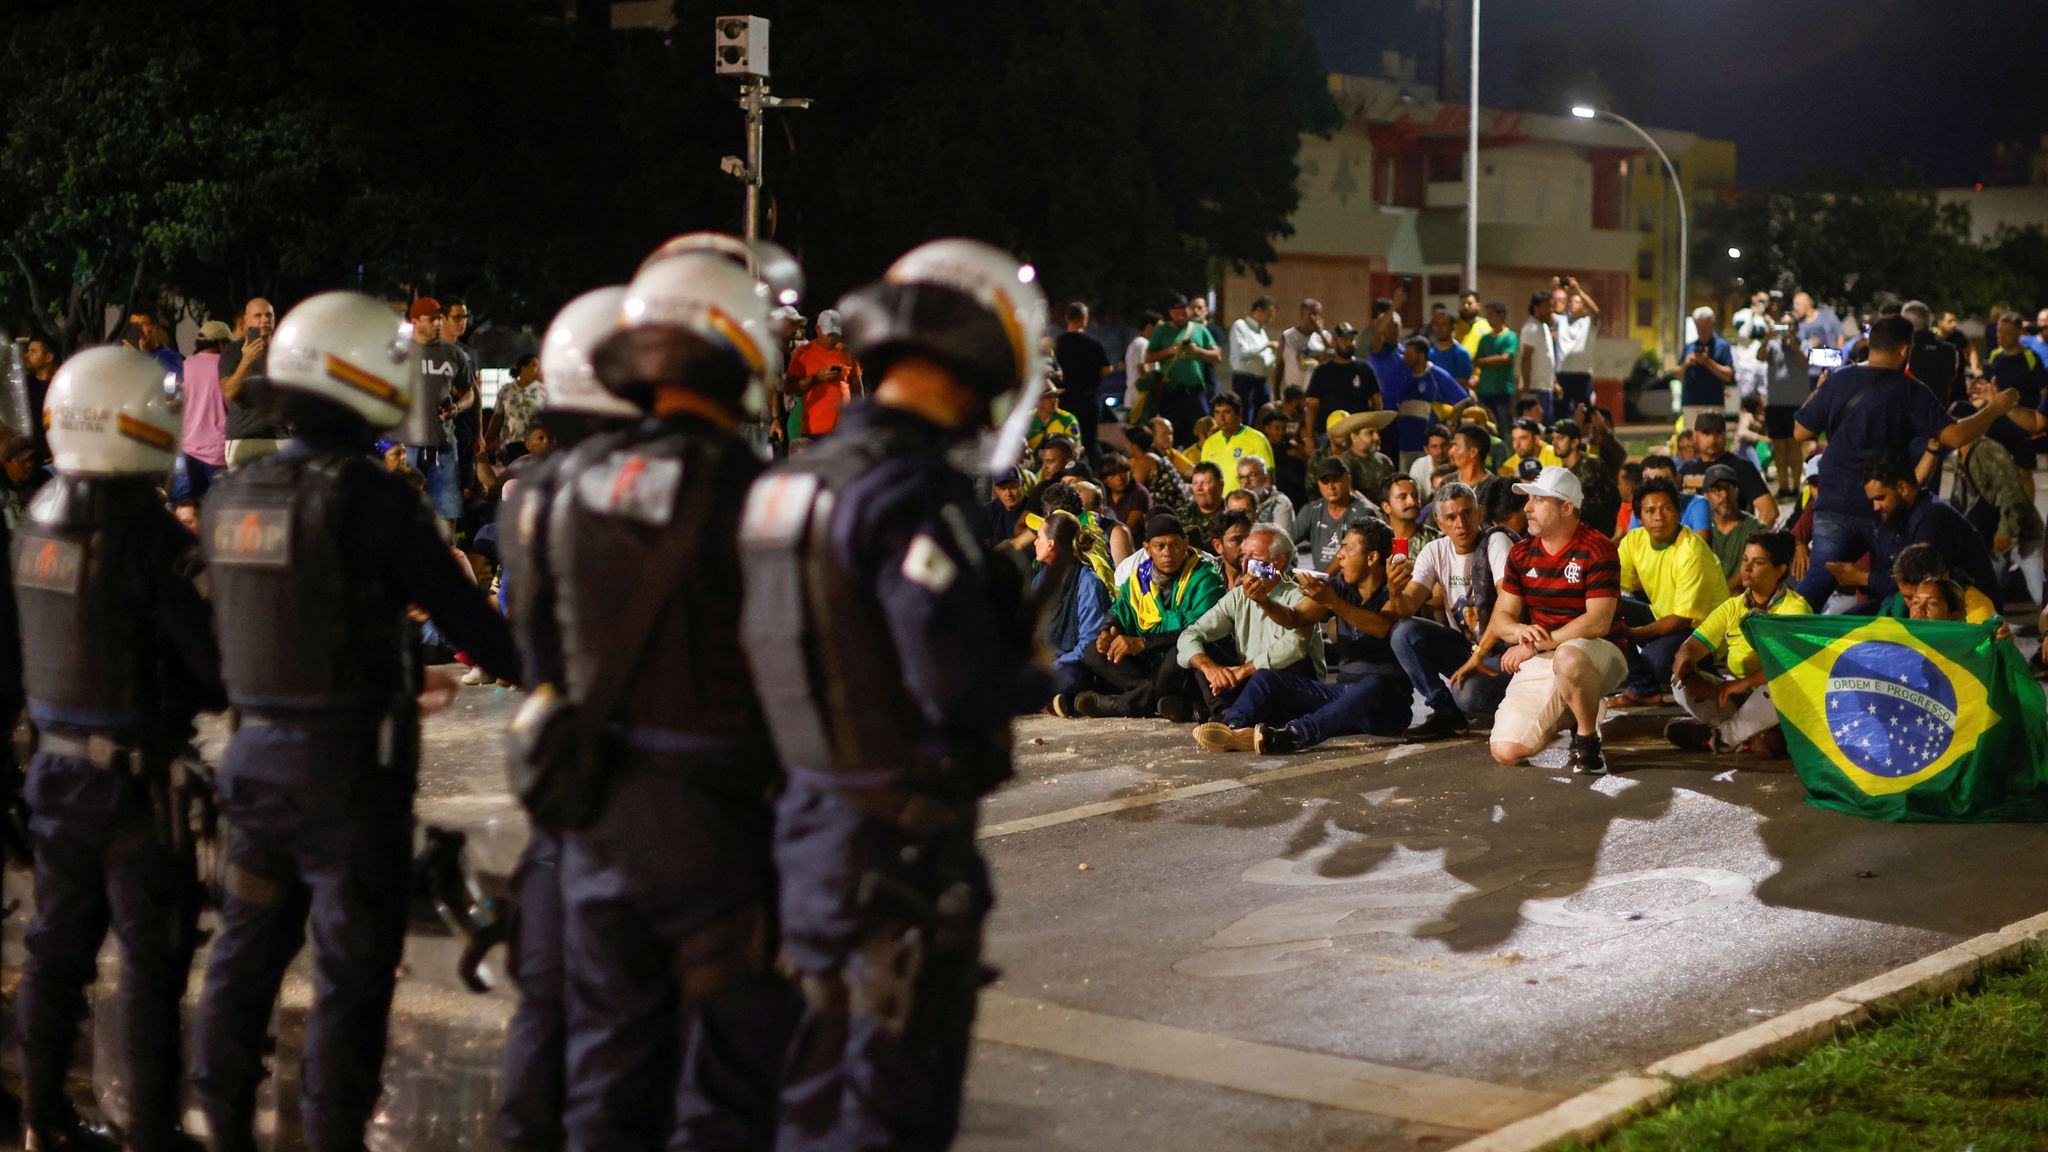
{"points": [[892, 666], [11, 700], [668, 891], [119, 656], [532, 1090], [314, 555]]}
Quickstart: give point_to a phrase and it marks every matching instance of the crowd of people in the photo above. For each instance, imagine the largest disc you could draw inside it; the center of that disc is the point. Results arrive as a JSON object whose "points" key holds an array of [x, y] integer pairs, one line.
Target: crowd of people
{"points": [[1406, 529]]}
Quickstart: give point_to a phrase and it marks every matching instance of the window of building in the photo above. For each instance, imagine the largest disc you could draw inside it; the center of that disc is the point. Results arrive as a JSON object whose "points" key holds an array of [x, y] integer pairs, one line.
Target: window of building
{"points": [[1446, 167], [1444, 285], [1646, 217], [1646, 313], [1646, 265]]}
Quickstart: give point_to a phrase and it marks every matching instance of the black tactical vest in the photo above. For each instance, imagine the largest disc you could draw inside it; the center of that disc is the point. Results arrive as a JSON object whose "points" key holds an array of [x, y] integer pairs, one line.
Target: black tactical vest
{"points": [[615, 498], [305, 621], [1481, 593], [88, 641], [821, 654]]}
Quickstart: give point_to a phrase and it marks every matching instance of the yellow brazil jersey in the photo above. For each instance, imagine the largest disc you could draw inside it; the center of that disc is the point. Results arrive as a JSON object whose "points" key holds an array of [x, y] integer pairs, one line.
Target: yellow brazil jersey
{"points": [[1721, 631], [1544, 456], [1225, 452], [1681, 579]]}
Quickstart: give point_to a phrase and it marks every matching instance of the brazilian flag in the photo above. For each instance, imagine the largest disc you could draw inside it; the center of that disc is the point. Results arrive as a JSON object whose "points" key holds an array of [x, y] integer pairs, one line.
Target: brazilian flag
{"points": [[1907, 720]]}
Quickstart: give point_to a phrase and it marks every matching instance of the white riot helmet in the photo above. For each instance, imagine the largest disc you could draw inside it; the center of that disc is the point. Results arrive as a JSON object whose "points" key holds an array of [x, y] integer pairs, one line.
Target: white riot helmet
{"points": [[347, 349], [969, 306], [699, 320], [565, 354], [109, 414]]}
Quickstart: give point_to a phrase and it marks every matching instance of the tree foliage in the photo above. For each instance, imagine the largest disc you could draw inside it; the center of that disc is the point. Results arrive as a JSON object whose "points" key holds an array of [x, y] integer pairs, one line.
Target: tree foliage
{"points": [[209, 150]]}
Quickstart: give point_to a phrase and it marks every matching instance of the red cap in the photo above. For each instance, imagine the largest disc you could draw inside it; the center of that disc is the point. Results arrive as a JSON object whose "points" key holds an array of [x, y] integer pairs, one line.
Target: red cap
{"points": [[424, 306]]}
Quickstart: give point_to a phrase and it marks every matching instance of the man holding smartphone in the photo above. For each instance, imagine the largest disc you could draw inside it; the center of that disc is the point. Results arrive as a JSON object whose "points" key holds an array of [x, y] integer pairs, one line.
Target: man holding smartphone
{"points": [[825, 374]]}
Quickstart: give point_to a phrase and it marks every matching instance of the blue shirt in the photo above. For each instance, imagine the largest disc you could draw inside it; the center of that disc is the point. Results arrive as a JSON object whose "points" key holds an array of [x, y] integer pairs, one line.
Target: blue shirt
{"points": [[1932, 520], [1897, 413], [1388, 370], [1454, 360], [1693, 512], [2039, 346], [1700, 387], [1434, 386]]}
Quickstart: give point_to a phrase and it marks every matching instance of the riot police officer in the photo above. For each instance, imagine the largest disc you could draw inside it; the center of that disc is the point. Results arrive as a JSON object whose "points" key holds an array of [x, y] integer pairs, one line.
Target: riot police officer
{"points": [[892, 655], [314, 555], [664, 814], [531, 1090], [119, 656]]}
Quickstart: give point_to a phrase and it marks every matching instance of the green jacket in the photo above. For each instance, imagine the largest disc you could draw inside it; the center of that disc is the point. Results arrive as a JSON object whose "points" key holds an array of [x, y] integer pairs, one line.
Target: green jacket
{"points": [[1159, 610]]}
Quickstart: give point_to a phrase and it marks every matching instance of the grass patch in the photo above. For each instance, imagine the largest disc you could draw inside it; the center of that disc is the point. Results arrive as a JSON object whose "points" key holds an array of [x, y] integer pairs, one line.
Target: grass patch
{"points": [[1968, 1073]]}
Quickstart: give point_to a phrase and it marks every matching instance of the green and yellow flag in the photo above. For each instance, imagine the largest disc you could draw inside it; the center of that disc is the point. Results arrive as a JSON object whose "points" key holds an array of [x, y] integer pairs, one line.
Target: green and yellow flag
{"points": [[1907, 720]]}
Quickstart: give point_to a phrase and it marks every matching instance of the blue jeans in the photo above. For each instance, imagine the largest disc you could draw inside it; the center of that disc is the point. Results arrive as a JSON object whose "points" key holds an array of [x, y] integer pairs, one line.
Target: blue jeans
{"points": [[1429, 652], [1549, 400], [1502, 409], [1649, 665], [1072, 679], [444, 490], [1836, 536], [1378, 705], [1252, 390]]}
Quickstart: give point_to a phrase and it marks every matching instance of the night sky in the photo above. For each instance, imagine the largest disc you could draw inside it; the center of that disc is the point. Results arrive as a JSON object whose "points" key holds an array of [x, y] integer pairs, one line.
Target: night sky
{"points": [[1848, 85]]}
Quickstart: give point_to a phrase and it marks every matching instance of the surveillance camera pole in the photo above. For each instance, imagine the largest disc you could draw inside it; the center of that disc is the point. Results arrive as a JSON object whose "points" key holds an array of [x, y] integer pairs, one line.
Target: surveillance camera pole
{"points": [[756, 103]]}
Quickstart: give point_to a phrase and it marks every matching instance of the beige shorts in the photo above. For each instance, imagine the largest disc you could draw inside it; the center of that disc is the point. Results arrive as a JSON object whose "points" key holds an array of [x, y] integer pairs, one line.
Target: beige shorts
{"points": [[1533, 708]]}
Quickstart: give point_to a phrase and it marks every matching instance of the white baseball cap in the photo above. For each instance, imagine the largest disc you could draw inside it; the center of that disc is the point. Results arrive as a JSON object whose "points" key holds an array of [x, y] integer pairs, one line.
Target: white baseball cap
{"points": [[828, 323], [1556, 483]]}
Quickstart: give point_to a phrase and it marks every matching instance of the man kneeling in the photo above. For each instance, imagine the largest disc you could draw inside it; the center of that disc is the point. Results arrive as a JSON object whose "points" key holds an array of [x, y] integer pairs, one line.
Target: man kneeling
{"points": [[1557, 612], [1726, 712], [1280, 712]]}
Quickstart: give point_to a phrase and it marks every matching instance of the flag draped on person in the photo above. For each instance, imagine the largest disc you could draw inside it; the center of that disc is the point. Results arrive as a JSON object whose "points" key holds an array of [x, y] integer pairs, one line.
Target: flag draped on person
{"points": [[1907, 720]]}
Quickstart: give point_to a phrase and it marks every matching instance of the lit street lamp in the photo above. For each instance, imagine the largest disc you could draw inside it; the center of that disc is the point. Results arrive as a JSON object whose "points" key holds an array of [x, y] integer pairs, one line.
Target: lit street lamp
{"points": [[1735, 253], [1587, 112]]}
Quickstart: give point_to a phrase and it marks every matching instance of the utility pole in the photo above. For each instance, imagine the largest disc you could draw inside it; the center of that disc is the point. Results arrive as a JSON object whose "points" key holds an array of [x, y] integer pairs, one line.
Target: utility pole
{"points": [[1472, 166], [742, 50]]}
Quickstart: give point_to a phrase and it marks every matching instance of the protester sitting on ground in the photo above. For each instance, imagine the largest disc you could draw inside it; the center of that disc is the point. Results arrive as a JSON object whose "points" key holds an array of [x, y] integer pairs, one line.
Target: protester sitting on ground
{"points": [[1710, 437], [1993, 495], [1729, 705], [1055, 454], [1002, 515], [1693, 512], [1290, 455], [1679, 575], [1937, 600], [1134, 659], [1114, 535], [1205, 503], [1227, 545], [1627, 481], [1468, 450], [1403, 514], [1920, 564], [1129, 501], [1233, 441], [1080, 610], [1596, 477], [1319, 528], [1270, 504], [1558, 614], [1354, 441], [1436, 453], [1458, 574], [1731, 527], [1246, 631], [1908, 514], [1279, 712], [1154, 472], [1525, 437]]}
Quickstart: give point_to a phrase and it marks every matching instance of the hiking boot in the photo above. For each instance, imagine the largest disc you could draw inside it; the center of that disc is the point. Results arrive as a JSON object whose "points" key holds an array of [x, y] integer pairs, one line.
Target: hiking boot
{"points": [[1215, 737], [1442, 724], [1094, 705], [1178, 709], [1277, 740], [1690, 734], [1585, 758]]}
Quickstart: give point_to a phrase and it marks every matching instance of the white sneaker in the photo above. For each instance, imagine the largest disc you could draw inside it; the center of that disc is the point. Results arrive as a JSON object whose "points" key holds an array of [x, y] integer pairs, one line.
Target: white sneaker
{"points": [[475, 676]]}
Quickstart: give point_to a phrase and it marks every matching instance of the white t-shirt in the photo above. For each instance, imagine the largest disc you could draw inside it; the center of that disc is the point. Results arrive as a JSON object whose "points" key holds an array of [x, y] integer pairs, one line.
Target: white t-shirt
{"points": [[1292, 343], [1134, 370], [1438, 565], [1539, 341], [1420, 472], [1575, 343]]}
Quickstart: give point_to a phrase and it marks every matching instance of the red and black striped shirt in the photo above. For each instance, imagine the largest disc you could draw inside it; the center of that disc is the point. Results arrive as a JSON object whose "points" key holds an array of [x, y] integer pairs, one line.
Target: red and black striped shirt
{"points": [[1554, 587]]}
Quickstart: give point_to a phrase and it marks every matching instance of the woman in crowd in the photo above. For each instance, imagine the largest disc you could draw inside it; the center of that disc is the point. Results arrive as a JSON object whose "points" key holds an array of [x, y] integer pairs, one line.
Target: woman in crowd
{"points": [[1081, 611]]}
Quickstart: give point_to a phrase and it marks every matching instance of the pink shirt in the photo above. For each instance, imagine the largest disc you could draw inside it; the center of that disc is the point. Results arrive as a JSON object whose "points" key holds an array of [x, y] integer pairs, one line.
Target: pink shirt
{"points": [[206, 413]]}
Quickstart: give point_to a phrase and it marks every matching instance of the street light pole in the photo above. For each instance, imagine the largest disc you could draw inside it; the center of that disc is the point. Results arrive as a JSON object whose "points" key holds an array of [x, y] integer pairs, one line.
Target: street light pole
{"points": [[1472, 166], [1584, 112]]}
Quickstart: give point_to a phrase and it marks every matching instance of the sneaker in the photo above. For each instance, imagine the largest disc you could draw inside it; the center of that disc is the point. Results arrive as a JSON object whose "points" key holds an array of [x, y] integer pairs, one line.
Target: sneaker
{"points": [[1690, 734], [1063, 706], [1178, 709], [475, 676], [1442, 724], [1585, 759], [1094, 705], [1223, 738], [1277, 740]]}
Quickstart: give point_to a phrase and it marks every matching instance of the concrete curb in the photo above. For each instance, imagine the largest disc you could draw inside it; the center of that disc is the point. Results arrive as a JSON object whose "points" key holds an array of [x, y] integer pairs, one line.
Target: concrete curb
{"points": [[1600, 1111]]}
